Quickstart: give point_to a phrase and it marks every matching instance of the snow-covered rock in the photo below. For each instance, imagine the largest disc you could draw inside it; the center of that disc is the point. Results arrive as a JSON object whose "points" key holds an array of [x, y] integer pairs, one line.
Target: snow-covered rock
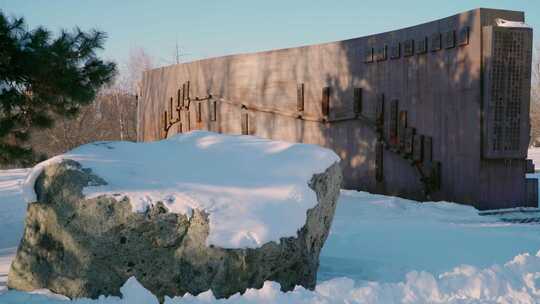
{"points": [[193, 213]]}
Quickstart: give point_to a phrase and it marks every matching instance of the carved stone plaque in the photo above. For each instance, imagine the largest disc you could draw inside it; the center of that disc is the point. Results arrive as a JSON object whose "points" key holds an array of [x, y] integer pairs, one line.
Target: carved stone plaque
{"points": [[379, 150], [531, 185], [199, 112], [449, 39], [325, 102], [395, 51], [187, 121], [463, 36], [357, 100], [213, 111], [180, 119], [300, 97], [381, 53], [179, 100], [421, 46], [408, 48], [180, 128], [171, 111], [183, 95], [245, 123], [186, 94], [393, 123], [507, 83], [428, 149], [368, 55], [435, 42], [380, 111], [402, 130], [433, 171], [409, 140], [165, 121]]}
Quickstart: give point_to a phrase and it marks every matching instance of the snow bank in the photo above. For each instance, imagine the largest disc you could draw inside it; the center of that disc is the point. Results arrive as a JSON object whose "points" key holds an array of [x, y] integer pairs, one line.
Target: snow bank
{"points": [[12, 209], [517, 281], [246, 184], [382, 238]]}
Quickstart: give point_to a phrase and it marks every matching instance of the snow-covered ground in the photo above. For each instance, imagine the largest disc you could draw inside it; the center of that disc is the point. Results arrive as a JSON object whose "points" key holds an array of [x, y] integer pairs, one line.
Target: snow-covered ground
{"points": [[382, 238], [380, 250], [12, 207]]}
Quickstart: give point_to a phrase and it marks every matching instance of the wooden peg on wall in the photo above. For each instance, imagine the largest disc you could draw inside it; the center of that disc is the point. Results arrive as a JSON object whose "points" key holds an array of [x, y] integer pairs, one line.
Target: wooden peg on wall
{"points": [[165, 122], [213, 111], [379, 155], [357, 97], [245, 123], [325, 102], [171, 109], [300, 97]]}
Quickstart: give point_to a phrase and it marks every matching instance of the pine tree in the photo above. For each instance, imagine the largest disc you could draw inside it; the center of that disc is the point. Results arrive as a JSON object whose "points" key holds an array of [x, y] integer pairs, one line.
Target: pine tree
{"points": [[42, 76]]}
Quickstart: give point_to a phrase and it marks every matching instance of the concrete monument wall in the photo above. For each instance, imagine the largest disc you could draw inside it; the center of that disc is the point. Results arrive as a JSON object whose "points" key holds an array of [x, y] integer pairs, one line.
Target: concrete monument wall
{"points": [[437, 111]]}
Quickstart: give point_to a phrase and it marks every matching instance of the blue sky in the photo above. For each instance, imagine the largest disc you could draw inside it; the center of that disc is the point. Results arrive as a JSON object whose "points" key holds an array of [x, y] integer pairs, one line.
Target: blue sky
{"points": [[205, 28]]}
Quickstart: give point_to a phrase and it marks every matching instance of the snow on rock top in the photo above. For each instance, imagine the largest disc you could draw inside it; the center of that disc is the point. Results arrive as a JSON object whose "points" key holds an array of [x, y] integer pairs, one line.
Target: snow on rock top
{"points": [[254, 190]]}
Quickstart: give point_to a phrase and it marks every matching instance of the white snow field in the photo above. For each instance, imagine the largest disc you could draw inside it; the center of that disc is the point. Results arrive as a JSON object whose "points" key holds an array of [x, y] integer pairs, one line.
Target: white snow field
{"points": [[380, 250], [12, 208]]}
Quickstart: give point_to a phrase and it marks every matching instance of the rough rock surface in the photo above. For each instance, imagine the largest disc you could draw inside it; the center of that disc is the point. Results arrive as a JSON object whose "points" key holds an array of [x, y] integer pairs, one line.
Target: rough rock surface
{"points": [[82, 247]]}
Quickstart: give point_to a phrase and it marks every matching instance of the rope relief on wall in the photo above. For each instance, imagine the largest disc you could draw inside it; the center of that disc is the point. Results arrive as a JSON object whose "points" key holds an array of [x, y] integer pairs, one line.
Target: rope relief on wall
{"points": [[183, 103], [391, 129]]}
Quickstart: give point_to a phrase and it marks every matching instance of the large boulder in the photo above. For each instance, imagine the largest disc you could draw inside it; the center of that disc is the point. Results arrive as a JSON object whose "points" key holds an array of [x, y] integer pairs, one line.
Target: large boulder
{"points": [[86, 246]]}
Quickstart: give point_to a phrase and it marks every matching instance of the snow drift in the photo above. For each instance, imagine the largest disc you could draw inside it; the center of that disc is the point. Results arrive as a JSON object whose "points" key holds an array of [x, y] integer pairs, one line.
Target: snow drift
{"points": [[517, 281]]}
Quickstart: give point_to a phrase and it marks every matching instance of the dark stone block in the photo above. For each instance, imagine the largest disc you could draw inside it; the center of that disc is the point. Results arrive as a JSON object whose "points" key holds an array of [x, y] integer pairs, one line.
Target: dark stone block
{"points": [[421, 45], [395, 51], [408, 48], [463, 36], [449, 39], [368, 55], [435, 42]]}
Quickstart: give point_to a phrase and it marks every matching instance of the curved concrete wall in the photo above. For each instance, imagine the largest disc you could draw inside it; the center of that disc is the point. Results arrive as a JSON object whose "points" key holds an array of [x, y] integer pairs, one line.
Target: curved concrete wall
{"points": [[441, 91]]}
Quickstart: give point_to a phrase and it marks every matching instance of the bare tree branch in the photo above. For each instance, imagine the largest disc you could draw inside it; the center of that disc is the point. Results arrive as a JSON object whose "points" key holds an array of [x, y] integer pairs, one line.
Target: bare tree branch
{"points": [[111, 116]]}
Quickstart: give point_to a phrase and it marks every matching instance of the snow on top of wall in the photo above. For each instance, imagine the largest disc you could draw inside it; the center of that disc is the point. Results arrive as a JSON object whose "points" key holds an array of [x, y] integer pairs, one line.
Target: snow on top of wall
{"points": [[507, 23], [255, 190]]}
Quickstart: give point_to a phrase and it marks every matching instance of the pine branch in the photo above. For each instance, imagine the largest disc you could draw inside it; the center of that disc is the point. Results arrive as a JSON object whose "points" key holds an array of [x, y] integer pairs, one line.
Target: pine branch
{"points": [[41, 76]]}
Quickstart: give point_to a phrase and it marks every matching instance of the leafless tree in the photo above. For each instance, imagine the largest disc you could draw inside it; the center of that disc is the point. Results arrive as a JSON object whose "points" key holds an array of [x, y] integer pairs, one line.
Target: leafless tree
{"points": [[132, 69], [95, 122], [127, 84], [112, 115]]}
